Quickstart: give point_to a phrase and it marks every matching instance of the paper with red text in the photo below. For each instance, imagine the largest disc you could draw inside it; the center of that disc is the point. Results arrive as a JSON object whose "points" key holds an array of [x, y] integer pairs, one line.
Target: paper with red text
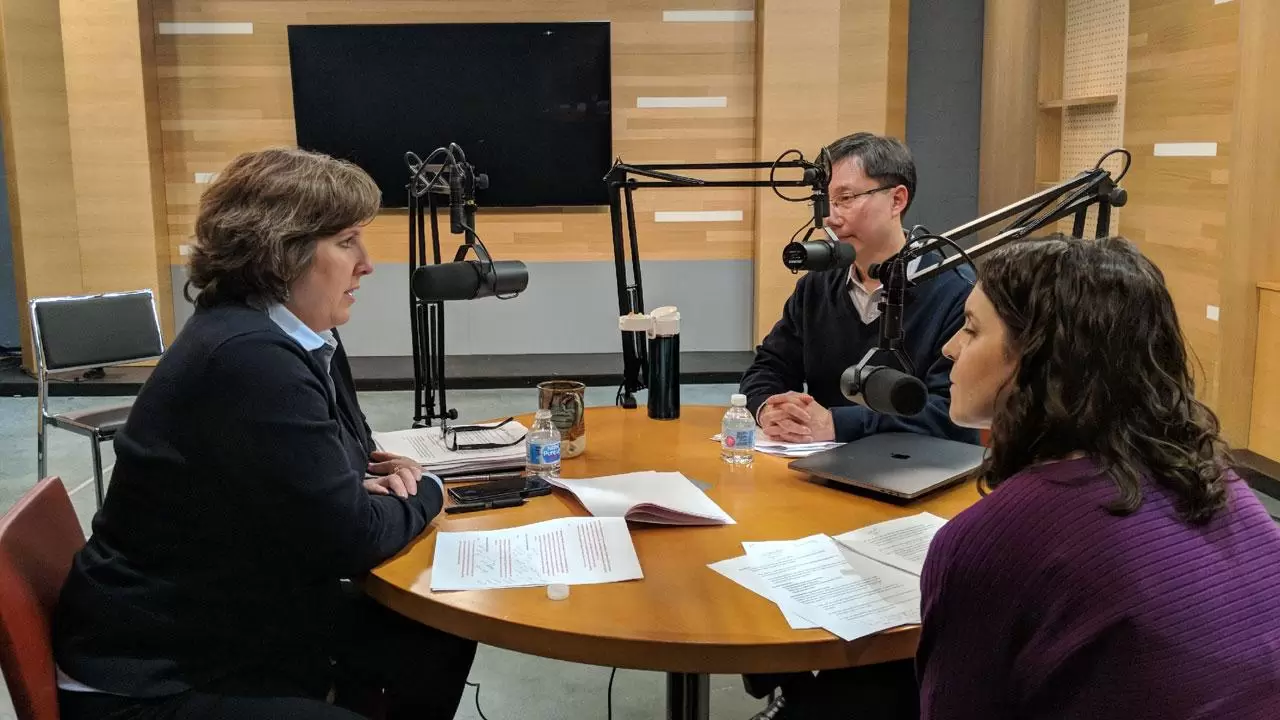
{"points": [[571, 551]]}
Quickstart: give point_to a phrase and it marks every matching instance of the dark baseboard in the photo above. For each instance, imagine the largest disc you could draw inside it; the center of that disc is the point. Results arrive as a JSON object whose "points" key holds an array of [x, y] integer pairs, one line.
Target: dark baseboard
{"points": [[1262, 474], [462, 372]]}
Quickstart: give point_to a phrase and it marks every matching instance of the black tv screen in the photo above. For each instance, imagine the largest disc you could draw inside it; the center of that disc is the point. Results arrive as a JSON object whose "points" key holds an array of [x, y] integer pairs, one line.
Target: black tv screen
{"points": [[529, 103]]}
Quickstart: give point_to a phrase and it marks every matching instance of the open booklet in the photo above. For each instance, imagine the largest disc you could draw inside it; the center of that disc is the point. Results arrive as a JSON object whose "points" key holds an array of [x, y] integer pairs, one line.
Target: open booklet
{"points": [[664, 498], [856, 584]]}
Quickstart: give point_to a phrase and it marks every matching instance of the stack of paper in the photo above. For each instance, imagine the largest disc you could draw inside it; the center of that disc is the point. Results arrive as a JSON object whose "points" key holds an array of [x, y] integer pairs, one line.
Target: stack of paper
{"points": [[569, 551], [867, 582], [427, 446], [665, 498], [779, 448]]}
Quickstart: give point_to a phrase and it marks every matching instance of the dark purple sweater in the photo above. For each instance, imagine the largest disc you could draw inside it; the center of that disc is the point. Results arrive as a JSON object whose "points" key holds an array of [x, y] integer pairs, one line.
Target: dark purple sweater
{"points": [[1038, 603]]}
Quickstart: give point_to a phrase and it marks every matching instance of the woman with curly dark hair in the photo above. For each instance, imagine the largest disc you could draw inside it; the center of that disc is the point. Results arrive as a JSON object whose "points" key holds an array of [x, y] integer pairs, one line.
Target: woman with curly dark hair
{"points": [[1117, 568]]}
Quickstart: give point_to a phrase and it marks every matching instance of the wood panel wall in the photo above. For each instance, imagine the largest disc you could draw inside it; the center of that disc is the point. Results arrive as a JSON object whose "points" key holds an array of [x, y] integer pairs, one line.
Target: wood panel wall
{"points": [[221, 95], [37, 155], [112, 109], [1264, 428], [1010, 76], [1181, 88], [827, 68], [1250, 355]]}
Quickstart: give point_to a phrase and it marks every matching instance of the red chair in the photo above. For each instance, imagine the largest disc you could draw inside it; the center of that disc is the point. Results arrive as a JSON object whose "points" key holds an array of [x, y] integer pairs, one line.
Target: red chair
{"points": [[38, 539]]}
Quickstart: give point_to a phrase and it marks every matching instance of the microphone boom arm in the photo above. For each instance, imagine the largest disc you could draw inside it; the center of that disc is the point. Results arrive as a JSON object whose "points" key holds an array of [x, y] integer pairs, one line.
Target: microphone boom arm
{"points": [[621, 187], [1071, 197]]}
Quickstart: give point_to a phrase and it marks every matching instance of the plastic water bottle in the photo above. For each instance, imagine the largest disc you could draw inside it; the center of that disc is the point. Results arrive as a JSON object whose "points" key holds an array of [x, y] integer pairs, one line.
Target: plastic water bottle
{"points": [[543, 443], [737, 433]]}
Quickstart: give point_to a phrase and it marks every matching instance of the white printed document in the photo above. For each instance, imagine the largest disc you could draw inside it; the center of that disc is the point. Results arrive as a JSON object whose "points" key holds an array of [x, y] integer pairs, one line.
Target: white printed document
{"points": [[665, 498], [849, 595], [769, 446], [572, 551], [900, 543], [427, 447], [739, 570]]}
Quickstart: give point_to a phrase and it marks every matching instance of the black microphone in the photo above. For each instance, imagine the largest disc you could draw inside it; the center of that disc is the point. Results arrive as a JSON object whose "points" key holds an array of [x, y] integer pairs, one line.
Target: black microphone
{"points": [[884, 389], [469, 279], [829, 254], [457, 218]]}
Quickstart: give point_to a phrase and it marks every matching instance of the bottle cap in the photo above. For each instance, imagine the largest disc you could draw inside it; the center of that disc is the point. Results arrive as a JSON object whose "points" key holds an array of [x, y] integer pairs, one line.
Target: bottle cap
{"points": [[738, 400], [558, 591], [542, 413]]}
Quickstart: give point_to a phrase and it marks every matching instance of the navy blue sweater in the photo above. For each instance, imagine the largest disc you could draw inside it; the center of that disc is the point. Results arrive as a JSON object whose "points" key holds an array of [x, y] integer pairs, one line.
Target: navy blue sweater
{"points": [[821, 334], [236, 508]]}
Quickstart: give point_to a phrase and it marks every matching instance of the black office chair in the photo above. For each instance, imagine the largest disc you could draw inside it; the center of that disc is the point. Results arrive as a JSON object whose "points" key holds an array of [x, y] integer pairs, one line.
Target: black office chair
{"points": [[84, 332]]}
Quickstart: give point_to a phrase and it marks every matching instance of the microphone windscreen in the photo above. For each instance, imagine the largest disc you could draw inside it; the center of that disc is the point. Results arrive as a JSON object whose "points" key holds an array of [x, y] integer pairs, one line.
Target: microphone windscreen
{"points": [[894, 392], [446, 281]]}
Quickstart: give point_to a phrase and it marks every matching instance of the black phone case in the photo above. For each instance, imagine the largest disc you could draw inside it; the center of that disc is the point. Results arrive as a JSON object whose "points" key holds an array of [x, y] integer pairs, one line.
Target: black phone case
{"points": [[495, 489]]}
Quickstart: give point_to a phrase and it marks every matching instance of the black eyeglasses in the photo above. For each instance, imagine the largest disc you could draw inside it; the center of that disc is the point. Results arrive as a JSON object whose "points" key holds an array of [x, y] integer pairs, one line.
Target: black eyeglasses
{"points": [[451, 436], [846, 200]]}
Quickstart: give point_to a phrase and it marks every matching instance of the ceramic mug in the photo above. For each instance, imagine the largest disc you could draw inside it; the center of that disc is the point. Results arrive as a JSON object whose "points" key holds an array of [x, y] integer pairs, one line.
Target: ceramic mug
{"points": [[564, 398]]}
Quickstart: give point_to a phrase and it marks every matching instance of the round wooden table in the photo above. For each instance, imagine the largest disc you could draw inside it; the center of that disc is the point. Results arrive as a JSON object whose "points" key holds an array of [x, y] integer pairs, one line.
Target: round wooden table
{"points": [[683, 618]]}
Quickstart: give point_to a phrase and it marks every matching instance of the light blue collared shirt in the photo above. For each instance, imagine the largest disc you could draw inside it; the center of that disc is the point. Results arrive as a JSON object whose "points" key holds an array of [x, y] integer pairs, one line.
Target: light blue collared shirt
{"points": [[309, 339]]}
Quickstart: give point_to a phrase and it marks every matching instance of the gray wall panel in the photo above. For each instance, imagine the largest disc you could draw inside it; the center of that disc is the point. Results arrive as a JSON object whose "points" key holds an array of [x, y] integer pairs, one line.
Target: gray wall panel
{"points": [[944, 109], [568, 308]]}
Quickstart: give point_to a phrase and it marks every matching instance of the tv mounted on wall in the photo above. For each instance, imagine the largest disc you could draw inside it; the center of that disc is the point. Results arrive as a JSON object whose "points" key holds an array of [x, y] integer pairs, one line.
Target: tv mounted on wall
{"points": [[529, 103]]}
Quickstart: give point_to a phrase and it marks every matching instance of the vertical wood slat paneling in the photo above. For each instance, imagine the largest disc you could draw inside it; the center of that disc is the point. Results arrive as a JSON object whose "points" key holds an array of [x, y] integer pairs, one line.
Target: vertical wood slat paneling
{"points": [[1250, 355], [1180, 87], [225, 94], [37, 156], [112, 111]]}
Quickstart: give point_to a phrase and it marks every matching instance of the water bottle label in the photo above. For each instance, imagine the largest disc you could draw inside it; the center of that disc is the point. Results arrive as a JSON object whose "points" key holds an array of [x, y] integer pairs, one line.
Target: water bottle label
{"points": [[740, 439], [544, 453]]}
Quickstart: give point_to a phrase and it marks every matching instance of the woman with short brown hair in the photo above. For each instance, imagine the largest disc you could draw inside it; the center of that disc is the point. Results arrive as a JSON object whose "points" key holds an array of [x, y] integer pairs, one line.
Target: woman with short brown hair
{"points": [[247, 488]]}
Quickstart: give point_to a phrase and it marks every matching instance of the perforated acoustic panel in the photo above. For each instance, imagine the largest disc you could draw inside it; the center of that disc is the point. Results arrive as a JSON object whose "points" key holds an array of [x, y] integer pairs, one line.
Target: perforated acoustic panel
{"points": [[1095, 60]]}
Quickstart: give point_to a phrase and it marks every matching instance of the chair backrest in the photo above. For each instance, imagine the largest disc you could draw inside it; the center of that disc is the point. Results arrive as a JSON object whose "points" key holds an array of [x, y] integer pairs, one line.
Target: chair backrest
{"points": [[87, 331], [39, 537]]}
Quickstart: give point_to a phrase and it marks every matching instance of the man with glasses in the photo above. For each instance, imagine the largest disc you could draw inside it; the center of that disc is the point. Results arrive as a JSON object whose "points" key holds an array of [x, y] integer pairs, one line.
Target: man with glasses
{"points": [[832, 318], [829, 323]]}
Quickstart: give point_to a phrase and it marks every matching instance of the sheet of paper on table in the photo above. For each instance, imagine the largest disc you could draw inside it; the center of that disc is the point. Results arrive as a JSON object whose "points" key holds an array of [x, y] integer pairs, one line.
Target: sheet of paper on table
{"points": [[779, 448], [900, 543], [849, 595], [571, 551]]}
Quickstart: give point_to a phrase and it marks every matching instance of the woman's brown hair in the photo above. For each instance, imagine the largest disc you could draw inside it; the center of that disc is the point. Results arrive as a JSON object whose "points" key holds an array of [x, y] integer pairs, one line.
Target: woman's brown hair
{"points": [[259, 221], [1101, 369]]}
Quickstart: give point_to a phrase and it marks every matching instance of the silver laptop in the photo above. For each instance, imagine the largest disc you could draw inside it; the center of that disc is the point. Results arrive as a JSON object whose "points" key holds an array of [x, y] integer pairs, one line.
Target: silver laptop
{"points": [[904, 465]]}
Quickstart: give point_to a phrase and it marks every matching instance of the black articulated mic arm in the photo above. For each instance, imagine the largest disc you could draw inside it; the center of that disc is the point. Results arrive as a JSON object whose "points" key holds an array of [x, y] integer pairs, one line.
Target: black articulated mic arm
{"points": [[824, 253], [431, 284], [890, 390]]}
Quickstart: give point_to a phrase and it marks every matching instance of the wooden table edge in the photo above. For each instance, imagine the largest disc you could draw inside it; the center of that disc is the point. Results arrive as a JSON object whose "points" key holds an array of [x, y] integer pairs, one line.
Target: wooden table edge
{"points": [[829, 651]]}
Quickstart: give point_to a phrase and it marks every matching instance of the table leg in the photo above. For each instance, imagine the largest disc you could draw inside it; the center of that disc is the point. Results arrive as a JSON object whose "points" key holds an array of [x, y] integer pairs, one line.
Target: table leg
{"points": [[688, 696]]}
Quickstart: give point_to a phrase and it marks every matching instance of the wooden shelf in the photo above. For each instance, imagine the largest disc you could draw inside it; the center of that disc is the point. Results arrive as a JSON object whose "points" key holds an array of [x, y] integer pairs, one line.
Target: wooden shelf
{"points": [[1111, 99], [1273, 286]]}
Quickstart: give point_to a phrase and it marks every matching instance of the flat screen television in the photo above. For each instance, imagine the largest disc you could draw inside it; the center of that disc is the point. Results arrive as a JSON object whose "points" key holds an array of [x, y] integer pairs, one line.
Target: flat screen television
{"points": [[529, 103]]}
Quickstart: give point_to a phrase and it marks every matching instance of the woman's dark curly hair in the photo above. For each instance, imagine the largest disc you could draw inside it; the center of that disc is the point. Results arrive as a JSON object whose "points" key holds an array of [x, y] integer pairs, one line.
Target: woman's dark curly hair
{"points": [[260, 220], [1101, 368]]}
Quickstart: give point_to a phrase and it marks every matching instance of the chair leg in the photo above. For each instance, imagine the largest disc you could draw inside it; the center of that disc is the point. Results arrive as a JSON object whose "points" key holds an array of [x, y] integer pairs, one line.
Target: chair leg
{"points": [[97, 469], [42, 460]]}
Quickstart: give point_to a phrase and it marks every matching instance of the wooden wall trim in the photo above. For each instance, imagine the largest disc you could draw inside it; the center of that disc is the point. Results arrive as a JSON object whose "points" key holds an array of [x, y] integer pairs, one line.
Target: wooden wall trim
{"points": [[1250, 255], [37, 156], [114, 128], [1010, 61]]}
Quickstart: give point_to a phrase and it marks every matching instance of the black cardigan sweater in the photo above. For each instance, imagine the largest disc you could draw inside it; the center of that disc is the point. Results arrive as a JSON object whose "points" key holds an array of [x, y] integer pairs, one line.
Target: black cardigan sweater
{"points": [[236, 508]]}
